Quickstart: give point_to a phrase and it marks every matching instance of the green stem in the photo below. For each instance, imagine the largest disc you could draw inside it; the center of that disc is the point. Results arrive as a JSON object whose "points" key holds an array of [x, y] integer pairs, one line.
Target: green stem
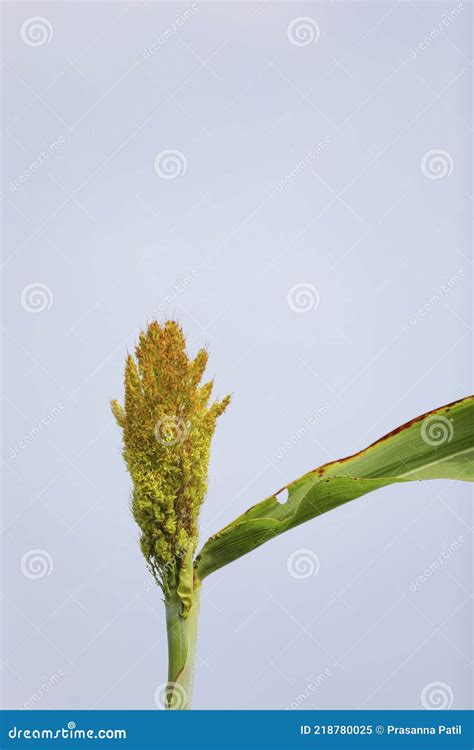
{"points": [[182, 638]]}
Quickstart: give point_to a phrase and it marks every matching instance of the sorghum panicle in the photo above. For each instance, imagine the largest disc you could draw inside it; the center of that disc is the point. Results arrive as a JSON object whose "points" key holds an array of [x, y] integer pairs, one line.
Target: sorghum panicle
{"points": [[168, 426]]}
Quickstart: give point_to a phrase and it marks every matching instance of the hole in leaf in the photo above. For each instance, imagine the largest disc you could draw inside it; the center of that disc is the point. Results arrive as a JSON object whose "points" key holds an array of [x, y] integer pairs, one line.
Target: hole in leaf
{"points": [[282, 496]]}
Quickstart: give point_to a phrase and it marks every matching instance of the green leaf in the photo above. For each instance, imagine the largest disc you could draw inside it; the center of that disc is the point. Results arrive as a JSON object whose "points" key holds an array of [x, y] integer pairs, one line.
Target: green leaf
{"points": [[436, 445]]}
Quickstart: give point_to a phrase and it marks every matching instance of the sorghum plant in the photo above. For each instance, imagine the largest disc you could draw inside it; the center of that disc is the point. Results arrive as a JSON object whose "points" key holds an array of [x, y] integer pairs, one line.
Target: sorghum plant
{"points": [[168, 421]]}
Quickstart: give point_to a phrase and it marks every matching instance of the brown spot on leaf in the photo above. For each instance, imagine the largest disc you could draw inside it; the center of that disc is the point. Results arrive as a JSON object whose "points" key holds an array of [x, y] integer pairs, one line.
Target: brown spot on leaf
{"points": [[322, 469]]}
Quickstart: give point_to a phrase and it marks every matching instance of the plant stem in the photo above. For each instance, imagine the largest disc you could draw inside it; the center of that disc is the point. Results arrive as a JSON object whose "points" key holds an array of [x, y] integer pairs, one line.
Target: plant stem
{"points": [[182, 638]]}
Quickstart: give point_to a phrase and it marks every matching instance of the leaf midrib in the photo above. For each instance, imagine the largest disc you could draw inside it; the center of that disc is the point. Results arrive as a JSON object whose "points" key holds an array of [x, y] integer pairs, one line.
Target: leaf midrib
{"points": [[449, 457]]}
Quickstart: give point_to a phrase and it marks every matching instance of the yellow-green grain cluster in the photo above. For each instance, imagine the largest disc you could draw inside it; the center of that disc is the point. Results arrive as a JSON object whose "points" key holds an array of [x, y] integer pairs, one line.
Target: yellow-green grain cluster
{"points": [[168, 425]]}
